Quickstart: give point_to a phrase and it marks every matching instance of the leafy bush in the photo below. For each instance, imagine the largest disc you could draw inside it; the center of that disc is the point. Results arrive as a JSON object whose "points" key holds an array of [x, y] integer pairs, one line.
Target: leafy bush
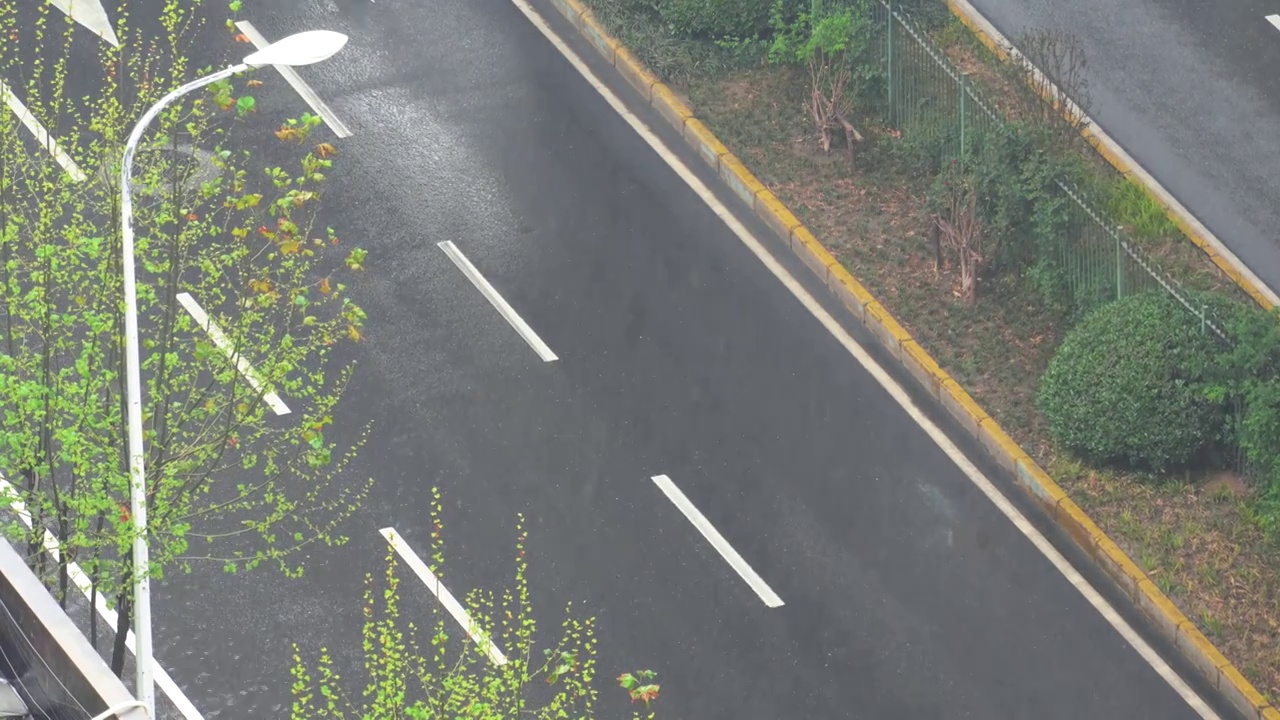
{"points": [[715, 19], [1127, 386], [928, 15], [431, 672], [1017, 170], [833, 41], [1248, 377]]}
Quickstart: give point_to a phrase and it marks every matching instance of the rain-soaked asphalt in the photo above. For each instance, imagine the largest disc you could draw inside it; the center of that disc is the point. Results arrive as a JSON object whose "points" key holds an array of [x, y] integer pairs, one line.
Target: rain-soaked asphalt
{"points": [[1190, 90], [907, 594]]}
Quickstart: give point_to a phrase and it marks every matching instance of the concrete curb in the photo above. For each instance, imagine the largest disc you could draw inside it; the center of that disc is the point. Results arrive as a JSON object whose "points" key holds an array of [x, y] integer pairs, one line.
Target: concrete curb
{"points": [[1111, 151], [1170, 621]]}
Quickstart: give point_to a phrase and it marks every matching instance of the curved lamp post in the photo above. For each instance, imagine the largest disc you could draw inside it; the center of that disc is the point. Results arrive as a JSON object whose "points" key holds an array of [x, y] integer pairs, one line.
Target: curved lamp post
{"points": [[301, 49]]}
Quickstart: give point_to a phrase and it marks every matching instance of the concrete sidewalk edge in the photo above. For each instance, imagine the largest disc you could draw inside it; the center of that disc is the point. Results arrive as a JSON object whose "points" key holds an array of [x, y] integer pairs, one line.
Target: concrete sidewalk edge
{"points": [[1221, 256], [1148, 598]]}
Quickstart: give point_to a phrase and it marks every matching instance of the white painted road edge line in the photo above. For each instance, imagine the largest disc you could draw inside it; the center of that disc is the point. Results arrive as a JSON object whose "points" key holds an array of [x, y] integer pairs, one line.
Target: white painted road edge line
{"points": [[895, 390], [91, 15], [272, 400], [42, 135], [1274, 20], [717, 541], [496, 300], [81, 581], [442, 594], [308, 95]]}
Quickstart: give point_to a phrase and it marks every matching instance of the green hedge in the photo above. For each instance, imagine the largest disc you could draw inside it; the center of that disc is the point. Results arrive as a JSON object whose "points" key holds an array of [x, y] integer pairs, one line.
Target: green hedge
{"points": [[1128, 386], [716, 18]]}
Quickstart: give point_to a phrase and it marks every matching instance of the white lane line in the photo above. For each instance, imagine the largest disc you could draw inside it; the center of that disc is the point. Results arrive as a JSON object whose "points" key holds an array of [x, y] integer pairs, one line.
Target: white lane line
{"points": [[272, 400], [91, 15], [442, 594], [42, 135], [717, 541], [82, 581], [895, 390], [1274, 20], [496, 300], [308, 95]]}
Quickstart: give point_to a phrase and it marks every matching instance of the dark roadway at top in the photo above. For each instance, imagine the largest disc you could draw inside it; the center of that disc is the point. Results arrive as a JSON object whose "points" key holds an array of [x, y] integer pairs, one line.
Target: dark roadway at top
{"points": [[907, 593], [1190, 90]]}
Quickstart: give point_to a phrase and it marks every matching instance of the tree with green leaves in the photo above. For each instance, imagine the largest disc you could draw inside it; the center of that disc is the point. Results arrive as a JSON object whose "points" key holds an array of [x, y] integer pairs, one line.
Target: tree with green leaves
{"points": [[225, 224], [832, 40], [454, 677]]}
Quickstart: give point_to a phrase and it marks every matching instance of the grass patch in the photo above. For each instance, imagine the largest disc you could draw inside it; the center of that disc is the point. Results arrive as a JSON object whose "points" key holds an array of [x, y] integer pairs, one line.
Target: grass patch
{"points": [[1197, 536]]}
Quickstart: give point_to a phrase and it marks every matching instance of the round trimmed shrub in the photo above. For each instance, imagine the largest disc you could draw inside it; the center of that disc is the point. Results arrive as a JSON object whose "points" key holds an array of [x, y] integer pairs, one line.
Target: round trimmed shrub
{"points": [[1127, 386], [716, 18]]}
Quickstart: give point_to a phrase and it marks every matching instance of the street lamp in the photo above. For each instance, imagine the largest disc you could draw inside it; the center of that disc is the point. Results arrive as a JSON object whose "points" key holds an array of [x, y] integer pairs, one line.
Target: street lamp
{"points": [[301, 49]]}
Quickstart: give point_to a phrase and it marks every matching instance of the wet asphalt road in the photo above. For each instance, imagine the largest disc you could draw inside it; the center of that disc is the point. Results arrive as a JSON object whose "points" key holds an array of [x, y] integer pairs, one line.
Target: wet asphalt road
{"points": [[907, 594], [1190, 90]]}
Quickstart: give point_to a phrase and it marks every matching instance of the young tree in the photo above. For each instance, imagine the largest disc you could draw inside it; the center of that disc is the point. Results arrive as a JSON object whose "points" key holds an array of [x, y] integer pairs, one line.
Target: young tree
{"points": [[454, 677], [1051, 81], [225, 224], [832, 41], [957, 225]]}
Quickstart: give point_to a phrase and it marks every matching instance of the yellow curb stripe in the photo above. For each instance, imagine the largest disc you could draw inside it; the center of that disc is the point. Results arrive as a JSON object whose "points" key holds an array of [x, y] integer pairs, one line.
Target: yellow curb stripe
{"points": [[634, 71], [926, 369], [998, 443], [671, 107], [596, 35], [1128, 573], [740, 180], [922, 365], [572, 10], [1036, 481], [814, 255], [854, 296], [708, 145]]}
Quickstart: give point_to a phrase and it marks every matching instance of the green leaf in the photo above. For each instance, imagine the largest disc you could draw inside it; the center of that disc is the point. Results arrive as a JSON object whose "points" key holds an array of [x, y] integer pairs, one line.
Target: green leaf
{"points": [[245, 105]]}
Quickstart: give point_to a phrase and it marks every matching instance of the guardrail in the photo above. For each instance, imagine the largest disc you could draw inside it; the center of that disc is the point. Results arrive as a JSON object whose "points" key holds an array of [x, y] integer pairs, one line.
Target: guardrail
{"points": [[47, 659]]}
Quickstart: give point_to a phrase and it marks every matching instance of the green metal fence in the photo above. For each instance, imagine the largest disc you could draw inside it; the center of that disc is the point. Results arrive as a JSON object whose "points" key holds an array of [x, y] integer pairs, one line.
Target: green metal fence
{"points": [[933, 103]]}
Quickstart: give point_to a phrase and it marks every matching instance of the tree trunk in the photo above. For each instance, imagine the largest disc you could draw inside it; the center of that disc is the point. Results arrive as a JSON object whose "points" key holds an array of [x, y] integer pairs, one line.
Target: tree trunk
{"points": [[124, 612], [93, 579], [935, 238]]}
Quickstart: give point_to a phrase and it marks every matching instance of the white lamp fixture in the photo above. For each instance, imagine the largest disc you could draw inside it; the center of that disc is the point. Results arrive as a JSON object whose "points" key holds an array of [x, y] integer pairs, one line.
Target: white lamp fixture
{"points": [[304, 48]]}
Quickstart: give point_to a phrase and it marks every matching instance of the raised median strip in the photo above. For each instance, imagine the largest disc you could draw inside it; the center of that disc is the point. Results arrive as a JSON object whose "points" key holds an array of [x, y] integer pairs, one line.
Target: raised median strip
{"points": [[1154, 604]]}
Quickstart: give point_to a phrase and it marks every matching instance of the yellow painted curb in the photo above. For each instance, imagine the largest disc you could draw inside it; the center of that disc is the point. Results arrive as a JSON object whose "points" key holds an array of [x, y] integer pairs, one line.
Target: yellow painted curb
{"points": [[771, 210], [960, 406], [634, 72], [999, 444], [572, 10], [851, 292], [709, 147], [1072, 518], [1036, 481], [882, 324], [741, 181], [920, 365], [596, 35], [670, 106], [1123, 569], [804, 244], [968, 17]]}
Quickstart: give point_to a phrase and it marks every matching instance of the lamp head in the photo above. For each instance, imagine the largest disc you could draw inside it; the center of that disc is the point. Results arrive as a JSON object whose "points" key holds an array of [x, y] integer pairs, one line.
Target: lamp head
{"points": [[304, 48]]}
